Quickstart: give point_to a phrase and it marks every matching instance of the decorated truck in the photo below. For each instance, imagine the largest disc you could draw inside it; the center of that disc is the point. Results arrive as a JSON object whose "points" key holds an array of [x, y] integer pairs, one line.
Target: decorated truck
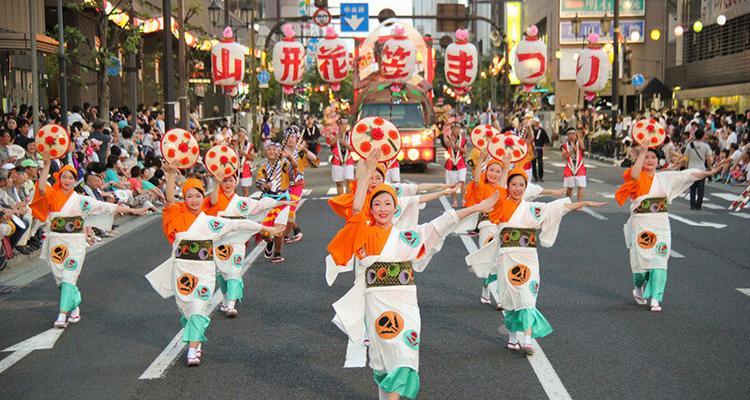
{"points": [[394, 68]]}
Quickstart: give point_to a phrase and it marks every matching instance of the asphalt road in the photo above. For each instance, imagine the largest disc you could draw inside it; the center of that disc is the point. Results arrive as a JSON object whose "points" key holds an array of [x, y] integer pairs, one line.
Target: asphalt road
{"points": [[284, 346]]}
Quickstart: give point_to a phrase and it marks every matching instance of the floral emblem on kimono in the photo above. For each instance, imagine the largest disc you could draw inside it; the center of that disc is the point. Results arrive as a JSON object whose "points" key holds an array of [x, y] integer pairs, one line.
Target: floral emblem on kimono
{"points": [[243, 207], [398, 191], [215, 225], [536, 212], [398, 212], [411, 338], [662, 249], [411, 238], [203, 293], [71, 264], [534, 287], [85, 205], [237, 260]]}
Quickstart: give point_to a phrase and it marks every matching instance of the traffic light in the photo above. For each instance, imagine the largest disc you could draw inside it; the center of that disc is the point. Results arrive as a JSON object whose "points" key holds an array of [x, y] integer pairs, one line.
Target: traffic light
{"points": [[321, 3]]}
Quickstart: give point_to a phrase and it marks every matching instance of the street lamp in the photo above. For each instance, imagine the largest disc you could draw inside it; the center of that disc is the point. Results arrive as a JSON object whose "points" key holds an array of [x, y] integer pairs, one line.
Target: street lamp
{"points": [[246, 12], [679, 31], [605, 24], [575, 23], [721, 19], [214, 12]]}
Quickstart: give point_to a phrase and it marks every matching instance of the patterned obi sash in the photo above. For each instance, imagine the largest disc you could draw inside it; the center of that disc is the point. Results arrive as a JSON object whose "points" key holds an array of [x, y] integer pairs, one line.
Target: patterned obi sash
{"points": [[518, 237], [652, 205], [67, 224], [382, 274], [233, 216], [195, 250]]}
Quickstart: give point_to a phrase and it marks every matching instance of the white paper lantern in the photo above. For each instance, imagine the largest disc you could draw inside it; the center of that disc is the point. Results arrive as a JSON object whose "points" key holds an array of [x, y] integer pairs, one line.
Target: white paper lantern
{"points": [[227, 62], [288, 60], [530, 59], [398, 59], [592, 68], [461, 62], [333, 59]]}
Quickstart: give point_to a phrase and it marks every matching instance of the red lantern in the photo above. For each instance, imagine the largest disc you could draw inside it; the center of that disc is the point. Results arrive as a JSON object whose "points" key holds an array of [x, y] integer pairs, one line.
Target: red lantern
{"points": [[227, 63], [461, 62], [333, 59], [592, 68], [398, 60], [530, 60], [288, 60]]}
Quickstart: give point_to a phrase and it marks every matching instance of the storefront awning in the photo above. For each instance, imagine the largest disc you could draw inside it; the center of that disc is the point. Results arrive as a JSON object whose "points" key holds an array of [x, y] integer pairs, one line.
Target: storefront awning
{"points": [[22, 41], [737, 89]]}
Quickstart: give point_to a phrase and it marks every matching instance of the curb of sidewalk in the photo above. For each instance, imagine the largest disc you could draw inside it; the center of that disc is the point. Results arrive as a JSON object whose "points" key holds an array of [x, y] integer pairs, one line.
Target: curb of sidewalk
{"points": [[23, 269]]}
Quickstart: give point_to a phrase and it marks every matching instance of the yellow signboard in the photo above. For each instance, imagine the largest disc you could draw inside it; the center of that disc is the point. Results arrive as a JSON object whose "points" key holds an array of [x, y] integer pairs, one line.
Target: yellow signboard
{"points": [[513, 23]]}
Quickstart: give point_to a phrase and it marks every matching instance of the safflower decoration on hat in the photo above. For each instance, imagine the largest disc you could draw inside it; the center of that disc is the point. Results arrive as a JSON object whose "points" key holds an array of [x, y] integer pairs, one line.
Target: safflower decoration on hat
{"points": [[180, 148], [502, 144], [376, 132], [482, 134], [52, 140], [221, 161]]}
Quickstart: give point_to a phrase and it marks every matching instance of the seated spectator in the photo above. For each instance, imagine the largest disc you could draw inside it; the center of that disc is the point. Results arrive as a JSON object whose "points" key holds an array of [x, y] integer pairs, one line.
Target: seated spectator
{"points": [[14, 211], [139, 193]]}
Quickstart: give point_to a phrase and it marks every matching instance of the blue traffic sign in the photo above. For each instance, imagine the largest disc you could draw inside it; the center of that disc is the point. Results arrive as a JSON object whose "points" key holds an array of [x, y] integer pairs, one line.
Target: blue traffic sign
{"points": [[355, 17], [264, 77], [114, 67]]}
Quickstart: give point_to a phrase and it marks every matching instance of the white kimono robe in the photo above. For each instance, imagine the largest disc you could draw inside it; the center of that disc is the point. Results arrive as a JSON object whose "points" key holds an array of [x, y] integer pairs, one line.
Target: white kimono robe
{"points": [[514, 292], [392, 308], [229, 250], [647, 235], [192, 282], [65, 252]]}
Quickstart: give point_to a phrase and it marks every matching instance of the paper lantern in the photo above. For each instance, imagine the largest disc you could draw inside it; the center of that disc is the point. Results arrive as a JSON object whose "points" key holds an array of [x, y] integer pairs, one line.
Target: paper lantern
{"points": [[530, 59], [227, 63], [180, 148], [398, 60], [52, 140], [373, 132], [649, 132], [333, 59], [592, 68], [288, 60], [221, 161], [461, 62]]}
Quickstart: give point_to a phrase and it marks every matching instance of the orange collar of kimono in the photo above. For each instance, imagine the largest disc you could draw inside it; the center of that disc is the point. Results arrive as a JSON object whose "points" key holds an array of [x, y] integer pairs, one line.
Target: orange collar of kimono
{"points": [[192, 183]]}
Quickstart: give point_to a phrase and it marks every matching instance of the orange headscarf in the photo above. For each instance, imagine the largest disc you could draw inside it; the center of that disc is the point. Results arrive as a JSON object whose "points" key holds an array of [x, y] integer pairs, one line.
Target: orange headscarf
{"points": [[360, 236], [192, 183], [54, 197], [505, 207], [633, 188]]}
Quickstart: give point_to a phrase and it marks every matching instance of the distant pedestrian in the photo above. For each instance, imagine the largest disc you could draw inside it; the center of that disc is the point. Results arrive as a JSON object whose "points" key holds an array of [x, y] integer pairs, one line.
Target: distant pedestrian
{"points": [[541, 140], [574, 174], [699, 155]]}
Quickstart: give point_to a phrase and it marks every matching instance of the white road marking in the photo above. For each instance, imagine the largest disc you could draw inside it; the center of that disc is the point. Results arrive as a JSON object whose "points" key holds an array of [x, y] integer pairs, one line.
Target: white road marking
{"points": [[169, 355], [562, 165], [546, 374], [306, 192], [594, 214], [712, 206], [331, 191], [729, 197], [596, 180], [740, 214], [744, 291], [323, 164], [607, 195], [674, 254], [43, 341], [700, 224]]}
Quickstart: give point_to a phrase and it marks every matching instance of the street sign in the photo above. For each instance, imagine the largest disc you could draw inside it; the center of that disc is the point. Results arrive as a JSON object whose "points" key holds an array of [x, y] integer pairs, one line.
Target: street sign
{"points": [[263, 78], [579, 9], [312, 44], [627, 29], [322, 17], [114, 67], [355, 17]]}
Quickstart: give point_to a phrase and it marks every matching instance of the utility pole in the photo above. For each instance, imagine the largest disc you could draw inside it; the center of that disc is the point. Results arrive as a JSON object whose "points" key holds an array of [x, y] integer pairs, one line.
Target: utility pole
{"points": [[61, 66], [493, 88], [34, 67], [167, 66], [132, 73], [183, 99], [227, 99], [615, 75], [253, 81]]}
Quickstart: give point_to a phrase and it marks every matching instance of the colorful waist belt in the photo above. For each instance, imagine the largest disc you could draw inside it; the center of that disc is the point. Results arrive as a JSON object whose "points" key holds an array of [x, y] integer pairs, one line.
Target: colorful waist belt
{"points": [[67, 224], [652, 205], [195, 250], [518, 237], [233, 217], [389, 274]]}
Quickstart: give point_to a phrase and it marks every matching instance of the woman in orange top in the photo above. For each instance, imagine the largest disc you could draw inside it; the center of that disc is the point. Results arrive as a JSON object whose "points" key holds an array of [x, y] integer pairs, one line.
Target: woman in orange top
{"points": [[513, 257], [648, 235], [383, 301], [190, 274], [65, 246]]}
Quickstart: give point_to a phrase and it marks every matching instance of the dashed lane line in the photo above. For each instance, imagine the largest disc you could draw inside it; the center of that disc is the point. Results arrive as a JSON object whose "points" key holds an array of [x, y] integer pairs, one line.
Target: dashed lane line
{"points": [[543, 369], [594, 214], [331, 191], [744, 291]]}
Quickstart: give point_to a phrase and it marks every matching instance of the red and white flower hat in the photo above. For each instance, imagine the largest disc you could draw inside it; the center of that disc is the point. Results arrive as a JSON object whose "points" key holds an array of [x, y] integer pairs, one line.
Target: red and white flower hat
{"points": [[373, 132]]}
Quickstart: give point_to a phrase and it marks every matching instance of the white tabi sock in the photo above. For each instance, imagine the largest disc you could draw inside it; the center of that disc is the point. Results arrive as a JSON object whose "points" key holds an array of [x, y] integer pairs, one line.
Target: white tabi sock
{"points": [[230, 303], [191, 352], [381, 394], [513, 337], [526, 340], [654, 303], [76, 312], [61, 316], [485, 292]]}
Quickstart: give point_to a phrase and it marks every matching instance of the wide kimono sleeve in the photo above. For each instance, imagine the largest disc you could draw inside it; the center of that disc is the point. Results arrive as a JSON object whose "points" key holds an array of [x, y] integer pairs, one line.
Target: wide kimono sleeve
{"points": [[408, 210], [98, 214], [406, 189], [551, 216], [218, 228], [261, 206], [674, 183], [343, 246], [433, 235], [533, 191]]}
